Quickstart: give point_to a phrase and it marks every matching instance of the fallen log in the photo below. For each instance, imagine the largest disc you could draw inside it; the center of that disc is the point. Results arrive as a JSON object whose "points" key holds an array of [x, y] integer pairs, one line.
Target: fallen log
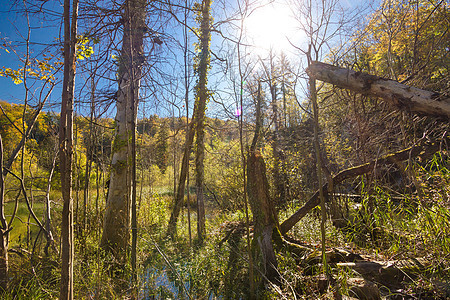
{"points": [[422, 150], [396, 94], [360, 288], [391, 274]]}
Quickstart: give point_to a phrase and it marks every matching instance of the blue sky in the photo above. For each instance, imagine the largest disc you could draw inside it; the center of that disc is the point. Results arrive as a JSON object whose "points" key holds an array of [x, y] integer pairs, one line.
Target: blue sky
{"points": [[13, 31], [13, 28]]}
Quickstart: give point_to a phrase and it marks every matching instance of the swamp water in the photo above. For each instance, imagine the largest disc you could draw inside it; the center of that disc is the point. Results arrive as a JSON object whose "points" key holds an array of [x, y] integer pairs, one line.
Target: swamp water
{"points": [[161, 283]]}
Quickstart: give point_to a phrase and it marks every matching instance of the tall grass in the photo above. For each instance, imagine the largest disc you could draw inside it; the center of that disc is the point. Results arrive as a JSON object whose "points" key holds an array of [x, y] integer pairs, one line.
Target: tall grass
{"points": [[169, 268]]}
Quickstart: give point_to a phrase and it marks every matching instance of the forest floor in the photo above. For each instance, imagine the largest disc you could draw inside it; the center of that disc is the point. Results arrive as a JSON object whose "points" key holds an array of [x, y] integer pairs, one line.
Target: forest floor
{"points": [[386, 260], [366, 266]]}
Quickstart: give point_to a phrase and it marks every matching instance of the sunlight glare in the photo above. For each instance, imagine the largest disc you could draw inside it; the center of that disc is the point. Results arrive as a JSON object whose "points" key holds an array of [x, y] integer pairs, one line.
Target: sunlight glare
{"points": [[272, 26]]}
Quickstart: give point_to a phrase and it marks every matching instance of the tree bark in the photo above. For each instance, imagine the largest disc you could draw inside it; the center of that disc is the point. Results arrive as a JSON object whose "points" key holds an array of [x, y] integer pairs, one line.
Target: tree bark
{"points": [[396, 94], [422, 150], [4, 230], [264, 216], [184, 172], [280, 183], [172, 226], [48, 221], [66, 148], [116, 229], [188, 130], [323, 212], [202, 95], [89, 154], [133, 108]]}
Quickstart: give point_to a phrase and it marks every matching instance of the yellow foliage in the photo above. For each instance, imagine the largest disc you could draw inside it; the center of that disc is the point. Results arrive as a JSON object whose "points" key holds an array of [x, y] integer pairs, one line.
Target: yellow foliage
{"points": [[83, 51], [404, 38]]}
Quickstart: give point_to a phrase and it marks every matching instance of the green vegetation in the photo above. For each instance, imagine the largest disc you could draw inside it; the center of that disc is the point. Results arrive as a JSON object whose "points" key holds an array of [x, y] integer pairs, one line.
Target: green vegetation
{"points": [[382, 225], [385, 219]]}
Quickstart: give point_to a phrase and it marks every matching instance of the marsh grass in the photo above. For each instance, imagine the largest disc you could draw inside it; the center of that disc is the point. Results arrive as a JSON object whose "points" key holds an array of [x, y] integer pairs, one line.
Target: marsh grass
{"points": [[382, 228], [176, 269]]}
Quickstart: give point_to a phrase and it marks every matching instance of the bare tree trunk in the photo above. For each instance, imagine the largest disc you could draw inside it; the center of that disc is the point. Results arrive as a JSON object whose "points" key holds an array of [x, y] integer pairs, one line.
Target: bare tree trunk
{"points": [[48, 220], [133, 107], [184, 172], [396, 94], [188, 130], [264, 215], [88, 165], [4, 230], [253, 149], [279, 184], [172, 226], [265, 218], [134, 216], [66, 148], [116, 229], [174, 156], [313, 98]]}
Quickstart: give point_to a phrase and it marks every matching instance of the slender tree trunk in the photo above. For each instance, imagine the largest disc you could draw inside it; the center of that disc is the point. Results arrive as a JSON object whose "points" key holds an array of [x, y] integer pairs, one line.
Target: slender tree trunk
{"points": [[201, 99], [66, 148], [174, 154], [4, 230], [48, 220], [172, 226], [133, 107], [134, 227], [88, 166], [76, 184], [279, 183], [313, 98], [280, 194], [22, 175], [97, 196], [283, 90], [86, 186], [188, 131], [184, 172], [240, 115], [116, 229]]}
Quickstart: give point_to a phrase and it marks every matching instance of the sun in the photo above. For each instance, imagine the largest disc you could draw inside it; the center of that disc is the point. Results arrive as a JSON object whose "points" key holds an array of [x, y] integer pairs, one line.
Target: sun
{"points": [[271, 27]]}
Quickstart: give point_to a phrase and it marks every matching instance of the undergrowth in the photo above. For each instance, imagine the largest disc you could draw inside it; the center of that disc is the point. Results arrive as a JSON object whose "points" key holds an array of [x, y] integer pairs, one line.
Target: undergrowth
{"points": [[380, 227]]}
